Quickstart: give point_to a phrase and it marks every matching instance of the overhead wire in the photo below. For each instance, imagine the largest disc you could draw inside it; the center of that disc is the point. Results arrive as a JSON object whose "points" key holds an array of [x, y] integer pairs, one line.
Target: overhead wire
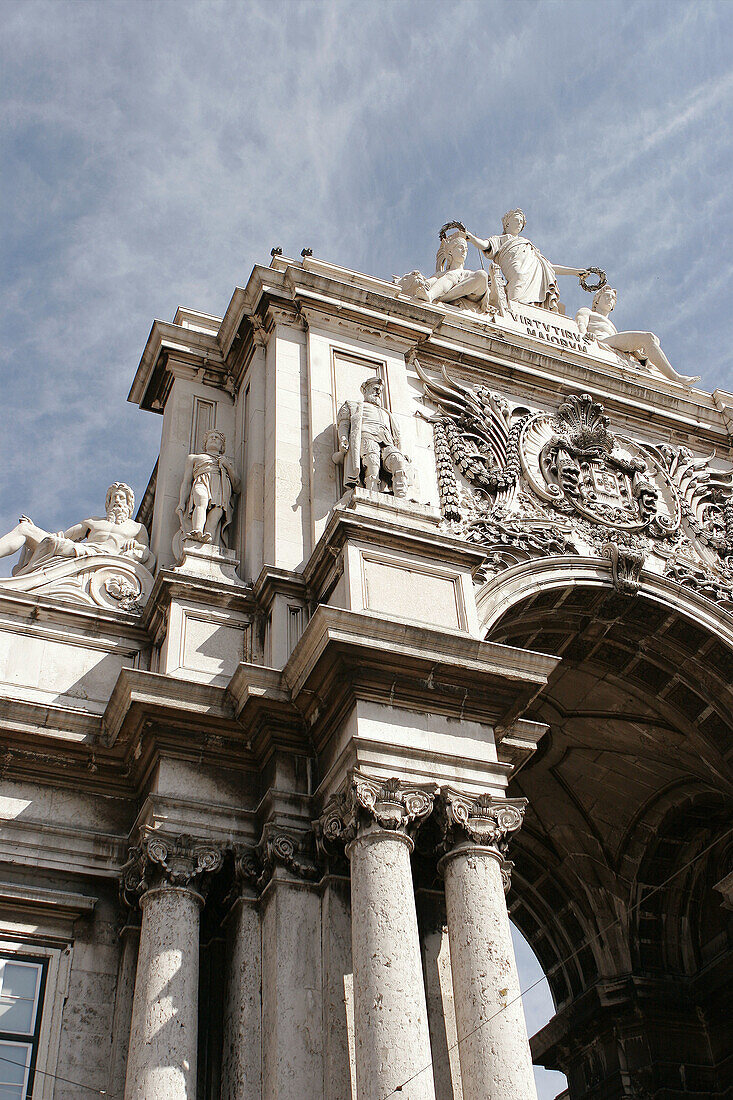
{"points": [[468, 1035], [55, 1077], [569, 958]]}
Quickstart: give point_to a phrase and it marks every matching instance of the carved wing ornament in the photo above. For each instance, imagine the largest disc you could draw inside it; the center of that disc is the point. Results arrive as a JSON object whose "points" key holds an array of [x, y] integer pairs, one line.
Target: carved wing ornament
{"points": [[537, 484]]}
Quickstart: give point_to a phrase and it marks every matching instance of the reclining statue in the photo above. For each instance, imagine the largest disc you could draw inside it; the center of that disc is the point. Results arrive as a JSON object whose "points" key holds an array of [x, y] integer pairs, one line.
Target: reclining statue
{"points": [[594, 323], [451, 283], [117, 534]]}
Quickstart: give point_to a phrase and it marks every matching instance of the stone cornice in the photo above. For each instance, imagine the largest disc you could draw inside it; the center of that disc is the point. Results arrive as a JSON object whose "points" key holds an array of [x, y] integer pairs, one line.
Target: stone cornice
{"points": [[30, 613], [189, 346], [39, 899], [170, 584], [338, 295], [327, 294], [139, 696], [388, 525], [367, 656], [274, 581]]}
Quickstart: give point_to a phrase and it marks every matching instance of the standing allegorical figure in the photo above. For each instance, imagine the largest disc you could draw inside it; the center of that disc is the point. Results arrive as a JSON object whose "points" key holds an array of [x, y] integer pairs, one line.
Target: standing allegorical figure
{"points": [[530, 278], [595, 323], [117, 533], [206, 501], [369, 437]]}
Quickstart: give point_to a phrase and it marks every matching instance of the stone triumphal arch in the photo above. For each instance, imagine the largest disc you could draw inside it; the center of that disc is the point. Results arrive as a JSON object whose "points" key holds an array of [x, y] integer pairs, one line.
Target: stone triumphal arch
{"points": [[424, 620]]}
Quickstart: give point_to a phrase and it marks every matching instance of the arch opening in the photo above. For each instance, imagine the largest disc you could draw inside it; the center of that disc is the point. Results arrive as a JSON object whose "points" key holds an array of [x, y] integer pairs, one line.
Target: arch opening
{"points": [[630, 786]]}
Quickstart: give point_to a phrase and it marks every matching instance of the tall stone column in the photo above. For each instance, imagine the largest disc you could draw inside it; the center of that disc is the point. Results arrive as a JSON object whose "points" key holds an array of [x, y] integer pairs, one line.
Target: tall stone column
{"points": [[242, 1053], [495, 1058], [129, 945], [167, 875], [392, 1039]]}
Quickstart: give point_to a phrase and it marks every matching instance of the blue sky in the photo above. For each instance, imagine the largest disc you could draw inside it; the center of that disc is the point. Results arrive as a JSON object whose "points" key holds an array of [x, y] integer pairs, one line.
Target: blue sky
{"points": [[153, 152]]}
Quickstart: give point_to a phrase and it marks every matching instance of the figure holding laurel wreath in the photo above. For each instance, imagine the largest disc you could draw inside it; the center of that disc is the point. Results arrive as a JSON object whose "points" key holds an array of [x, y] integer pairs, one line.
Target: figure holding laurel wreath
{"points": [[594, 323], [530, 278], [451, 283]]}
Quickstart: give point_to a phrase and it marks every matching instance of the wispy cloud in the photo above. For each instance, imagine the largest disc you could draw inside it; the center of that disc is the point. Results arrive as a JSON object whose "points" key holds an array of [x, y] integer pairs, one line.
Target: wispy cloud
{"points": [[152, 153]]}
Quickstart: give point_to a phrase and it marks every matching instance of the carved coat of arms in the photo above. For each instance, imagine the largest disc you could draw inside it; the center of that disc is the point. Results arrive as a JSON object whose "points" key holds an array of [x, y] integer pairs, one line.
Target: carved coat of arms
{"points": [[527, 484]]}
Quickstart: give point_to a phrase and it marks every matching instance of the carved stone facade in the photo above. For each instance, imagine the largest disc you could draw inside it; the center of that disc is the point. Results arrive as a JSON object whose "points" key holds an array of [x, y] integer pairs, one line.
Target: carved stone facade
{"points": [[425, 621]]}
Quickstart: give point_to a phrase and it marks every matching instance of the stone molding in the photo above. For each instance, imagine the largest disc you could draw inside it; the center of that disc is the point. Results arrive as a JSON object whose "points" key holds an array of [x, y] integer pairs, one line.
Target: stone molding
{"points": [[180, 862], [482, 821], [389, 805]]}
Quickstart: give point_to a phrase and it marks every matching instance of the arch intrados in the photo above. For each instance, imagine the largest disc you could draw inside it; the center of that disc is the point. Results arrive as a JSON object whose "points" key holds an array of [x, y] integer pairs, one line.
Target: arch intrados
{"points": [[688, 822], [536, 577], [544, 594]]}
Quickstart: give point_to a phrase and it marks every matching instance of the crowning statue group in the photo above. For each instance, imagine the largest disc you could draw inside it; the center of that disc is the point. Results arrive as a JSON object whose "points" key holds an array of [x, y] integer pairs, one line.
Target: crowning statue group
{"points": [[530, 279], [369, 441]]}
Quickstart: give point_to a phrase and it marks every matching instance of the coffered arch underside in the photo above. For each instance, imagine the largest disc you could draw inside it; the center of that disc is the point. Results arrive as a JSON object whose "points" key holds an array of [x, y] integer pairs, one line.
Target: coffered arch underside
{"points": [[631, 781]]}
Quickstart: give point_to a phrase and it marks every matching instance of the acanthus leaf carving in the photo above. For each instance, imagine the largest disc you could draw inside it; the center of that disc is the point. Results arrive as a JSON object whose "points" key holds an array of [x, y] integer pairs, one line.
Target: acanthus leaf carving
{"points": [[390, 804], [160, 861], [483, 820], [627, 563]]}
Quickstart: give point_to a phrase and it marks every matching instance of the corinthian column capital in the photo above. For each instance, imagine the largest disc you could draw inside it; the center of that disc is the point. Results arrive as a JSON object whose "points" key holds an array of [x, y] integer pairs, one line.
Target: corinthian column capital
{"points": [[160, 861], [388, 804], [483, 821]]}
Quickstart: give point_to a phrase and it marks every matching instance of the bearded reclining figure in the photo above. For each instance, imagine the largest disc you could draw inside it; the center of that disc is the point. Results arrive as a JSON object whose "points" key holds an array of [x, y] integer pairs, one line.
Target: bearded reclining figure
{"points": [[117, 534]]}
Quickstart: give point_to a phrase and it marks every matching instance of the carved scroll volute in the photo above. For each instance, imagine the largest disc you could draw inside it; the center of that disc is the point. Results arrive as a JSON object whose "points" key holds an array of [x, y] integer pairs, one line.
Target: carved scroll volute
{"points": [[390, 804], [482, 820], [160, 861]]}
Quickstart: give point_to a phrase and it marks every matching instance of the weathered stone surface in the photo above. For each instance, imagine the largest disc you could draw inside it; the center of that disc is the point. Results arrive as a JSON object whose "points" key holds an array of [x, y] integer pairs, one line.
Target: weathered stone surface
{"points": [[492, 1034], [392, 1037], [164, 1035], [242, 1052], [565, 498]]}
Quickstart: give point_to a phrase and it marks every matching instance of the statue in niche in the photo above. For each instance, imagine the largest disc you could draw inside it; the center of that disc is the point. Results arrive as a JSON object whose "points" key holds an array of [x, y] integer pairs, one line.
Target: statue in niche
{"points": [[594, 323], [451, 283], [116, 534], [369, 443], [530, 278], [206, 500]]}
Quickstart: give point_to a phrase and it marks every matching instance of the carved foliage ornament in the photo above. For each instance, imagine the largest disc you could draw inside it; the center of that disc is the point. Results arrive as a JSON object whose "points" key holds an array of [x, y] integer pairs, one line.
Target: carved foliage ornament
{"points": [[390, 804], [528, 485], [288, 848], [483, 820], [167, 861]]}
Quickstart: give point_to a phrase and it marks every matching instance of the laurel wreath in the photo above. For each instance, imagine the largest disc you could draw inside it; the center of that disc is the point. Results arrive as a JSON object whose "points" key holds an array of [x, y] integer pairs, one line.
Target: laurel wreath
{"points": [[451, 225], [592, 287]]}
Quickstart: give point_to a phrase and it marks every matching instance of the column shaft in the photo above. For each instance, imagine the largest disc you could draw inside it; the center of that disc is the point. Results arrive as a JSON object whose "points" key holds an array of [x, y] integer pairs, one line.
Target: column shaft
{"points": [[163, 1039], [391, 1020], [496, 1063], [242, 1058], [122, 1019]]}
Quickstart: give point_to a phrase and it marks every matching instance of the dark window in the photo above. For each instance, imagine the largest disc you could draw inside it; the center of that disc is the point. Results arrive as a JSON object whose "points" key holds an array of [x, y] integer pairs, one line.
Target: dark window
{"points": [[22, 983]]}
